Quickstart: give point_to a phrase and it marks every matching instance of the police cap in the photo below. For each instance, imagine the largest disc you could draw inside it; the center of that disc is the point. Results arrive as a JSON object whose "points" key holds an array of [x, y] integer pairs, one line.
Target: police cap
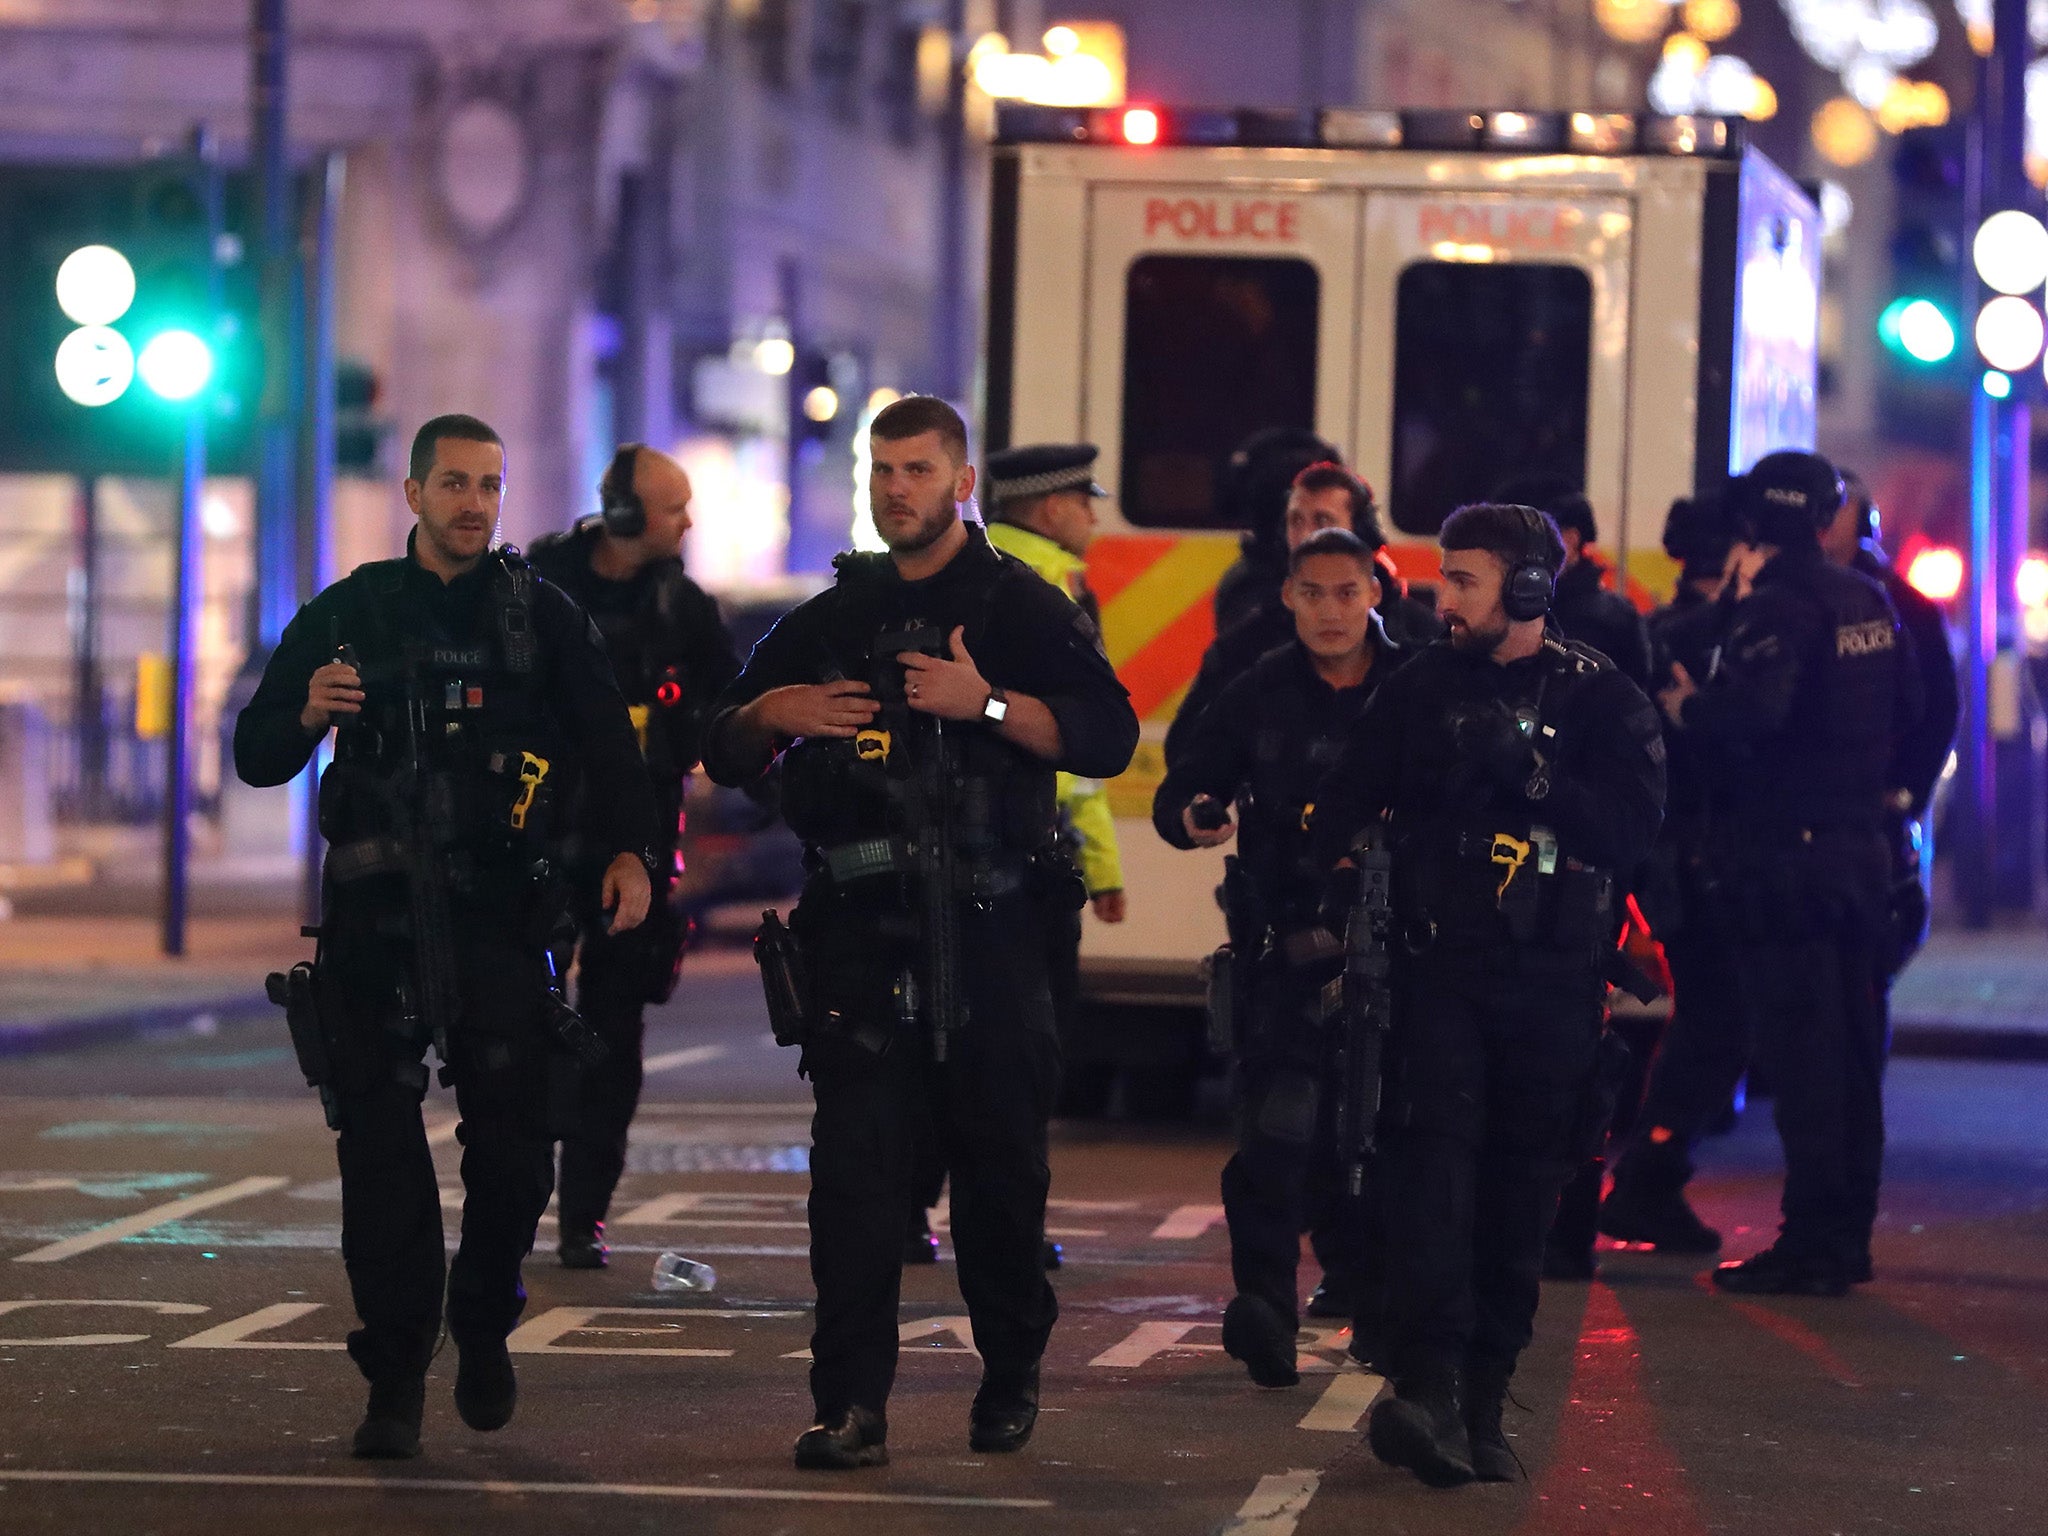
{"points": [[1039, 469], [1786, 498]]}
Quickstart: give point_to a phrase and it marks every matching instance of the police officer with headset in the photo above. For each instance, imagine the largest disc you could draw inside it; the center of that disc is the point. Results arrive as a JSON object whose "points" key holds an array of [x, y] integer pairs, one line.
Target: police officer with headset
{"points": [[1814, 687], [468, 693], [921, 706], [1518, 775], [671, 655]]}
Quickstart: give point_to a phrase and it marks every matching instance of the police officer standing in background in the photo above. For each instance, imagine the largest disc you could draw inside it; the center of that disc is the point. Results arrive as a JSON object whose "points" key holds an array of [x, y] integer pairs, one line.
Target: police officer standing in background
{"points": [[921, 706], [1707, 1042], [1264, 745], [466, 692], [1815, 686], [672, 656], [1521, 778], [1044, 501], [1324, 494]]}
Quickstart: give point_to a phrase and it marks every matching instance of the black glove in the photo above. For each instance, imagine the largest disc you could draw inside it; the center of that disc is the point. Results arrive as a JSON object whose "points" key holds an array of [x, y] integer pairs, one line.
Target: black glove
{"points": [[1500, 743]]}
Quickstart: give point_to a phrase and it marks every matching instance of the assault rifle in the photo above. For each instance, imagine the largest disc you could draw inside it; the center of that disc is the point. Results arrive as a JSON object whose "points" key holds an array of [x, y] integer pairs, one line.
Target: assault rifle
{"points": [[1365, 1004]]}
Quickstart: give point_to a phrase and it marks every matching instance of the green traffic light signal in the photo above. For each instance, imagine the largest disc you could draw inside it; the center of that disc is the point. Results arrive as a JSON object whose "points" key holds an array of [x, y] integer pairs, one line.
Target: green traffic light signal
{"points": [[1918, 328], [175, 364]]}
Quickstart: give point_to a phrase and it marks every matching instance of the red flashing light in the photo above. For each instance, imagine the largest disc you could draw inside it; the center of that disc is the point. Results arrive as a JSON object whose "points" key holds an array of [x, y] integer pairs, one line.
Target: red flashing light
{"points": [[1141, 126], [669, 694], [1937, 573]]}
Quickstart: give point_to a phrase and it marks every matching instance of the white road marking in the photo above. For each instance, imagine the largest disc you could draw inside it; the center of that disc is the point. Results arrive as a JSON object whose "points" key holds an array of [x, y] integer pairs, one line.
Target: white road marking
{"points": [[537, 1337], [155, 1216], [689, 1056], [385, 1485], [706, 1208], [78, 1340], [1149, 1339], [1276, 1505], [237, 1332], [1188, 1221], [923, 1332], [1345, 1400]]}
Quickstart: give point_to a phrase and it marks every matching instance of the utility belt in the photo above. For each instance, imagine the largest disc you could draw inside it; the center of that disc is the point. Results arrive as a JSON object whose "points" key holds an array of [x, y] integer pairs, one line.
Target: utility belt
{"points": [[1484, 889], [876, 858]]}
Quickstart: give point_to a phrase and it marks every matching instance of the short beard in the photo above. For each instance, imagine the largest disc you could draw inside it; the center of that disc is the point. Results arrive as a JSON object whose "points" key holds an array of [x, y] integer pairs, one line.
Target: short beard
{"points": [[1483, 641], [931, 527]]}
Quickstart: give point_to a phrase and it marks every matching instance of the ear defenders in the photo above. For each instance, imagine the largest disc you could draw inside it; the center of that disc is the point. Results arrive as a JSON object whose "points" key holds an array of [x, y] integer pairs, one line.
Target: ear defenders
{"points": [[1532, 579], [618, 503]]}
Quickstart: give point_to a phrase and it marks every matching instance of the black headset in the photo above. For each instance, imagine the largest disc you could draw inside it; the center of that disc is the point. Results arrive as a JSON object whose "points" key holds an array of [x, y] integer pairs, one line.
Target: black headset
{"points": [[1532, 579], [618, 503]]}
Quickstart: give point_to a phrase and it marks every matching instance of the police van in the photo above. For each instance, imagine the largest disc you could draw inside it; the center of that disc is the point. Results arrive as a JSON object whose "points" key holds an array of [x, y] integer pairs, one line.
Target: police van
{"points": [[1452, 297]]}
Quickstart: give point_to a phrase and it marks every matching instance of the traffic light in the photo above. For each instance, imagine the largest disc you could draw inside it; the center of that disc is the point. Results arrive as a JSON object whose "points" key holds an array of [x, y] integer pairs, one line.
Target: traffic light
{"points": [[1928, 369], [358, 431], [2010, 254]]}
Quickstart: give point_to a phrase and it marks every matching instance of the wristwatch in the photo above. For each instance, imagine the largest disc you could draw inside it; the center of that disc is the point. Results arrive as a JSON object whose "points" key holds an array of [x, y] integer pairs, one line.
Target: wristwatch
{"points": [[997, 707]]}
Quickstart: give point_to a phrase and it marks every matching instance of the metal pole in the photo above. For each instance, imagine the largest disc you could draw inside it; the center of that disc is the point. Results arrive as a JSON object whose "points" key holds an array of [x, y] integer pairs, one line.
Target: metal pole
{"points": [[274, 595], [185, 575], [89, 705], [316, 452], [949, 373], [1975, 797]]}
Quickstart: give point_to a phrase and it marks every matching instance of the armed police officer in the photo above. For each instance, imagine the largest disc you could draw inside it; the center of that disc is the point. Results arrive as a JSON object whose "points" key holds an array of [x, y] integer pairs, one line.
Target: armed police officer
{"points": [[1518, 775], [1263, 746], [1815, 684], [921, 706], [672, 657], [468, 693]]}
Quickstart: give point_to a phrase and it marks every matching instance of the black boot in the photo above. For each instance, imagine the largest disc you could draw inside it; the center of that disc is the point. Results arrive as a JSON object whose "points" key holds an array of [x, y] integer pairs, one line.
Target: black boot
{"points": [[582, 1246], [1258, 1335], [486, 1390], [390, 1430], [1493, 1459], [1636, 1212], [839, 1442], [1004, 1413], [1775, 1272], [1423, 1428], [1333, 1296]]}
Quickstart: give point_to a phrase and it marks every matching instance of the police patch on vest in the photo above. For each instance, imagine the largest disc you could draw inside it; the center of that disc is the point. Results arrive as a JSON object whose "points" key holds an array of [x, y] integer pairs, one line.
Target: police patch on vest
{"points": [[459, 656], [1865, 639]]}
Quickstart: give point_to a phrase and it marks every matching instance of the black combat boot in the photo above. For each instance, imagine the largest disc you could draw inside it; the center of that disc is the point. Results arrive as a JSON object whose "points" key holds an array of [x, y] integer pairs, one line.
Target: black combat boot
{"points": [[840, 1442], [1638, 1212], [583, 1247], [1334, 1296], [1004, 1413], [1486, 1392], [390, 1430], [1422, 1428], [1776, 1272], [1256, 1334], [486, 1390]]}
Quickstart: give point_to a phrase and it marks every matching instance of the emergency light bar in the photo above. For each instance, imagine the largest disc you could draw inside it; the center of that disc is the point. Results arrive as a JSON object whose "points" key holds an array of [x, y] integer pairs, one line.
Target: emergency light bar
{"points": [[1430, 128]]}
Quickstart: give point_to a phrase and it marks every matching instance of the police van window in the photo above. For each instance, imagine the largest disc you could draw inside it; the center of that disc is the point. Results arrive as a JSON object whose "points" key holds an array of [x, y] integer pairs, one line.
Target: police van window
{"points": [[1491, 366], [1215, 348]]}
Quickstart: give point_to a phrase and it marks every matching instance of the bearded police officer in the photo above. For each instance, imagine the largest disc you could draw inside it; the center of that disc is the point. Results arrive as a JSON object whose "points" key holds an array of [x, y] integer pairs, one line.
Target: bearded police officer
{"points": [[469, 695], [1518, 775], [921, 706], [1263, 746], [1814, 686], [672, 656]]}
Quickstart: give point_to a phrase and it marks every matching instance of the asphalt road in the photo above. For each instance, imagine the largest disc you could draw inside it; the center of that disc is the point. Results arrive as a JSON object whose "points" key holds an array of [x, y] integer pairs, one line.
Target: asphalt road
{"points": [[172, 1305]]}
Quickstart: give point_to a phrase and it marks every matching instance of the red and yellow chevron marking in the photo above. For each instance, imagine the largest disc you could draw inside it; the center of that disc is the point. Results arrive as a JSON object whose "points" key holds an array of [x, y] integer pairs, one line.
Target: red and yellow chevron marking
{"points": [[1156, 592]]}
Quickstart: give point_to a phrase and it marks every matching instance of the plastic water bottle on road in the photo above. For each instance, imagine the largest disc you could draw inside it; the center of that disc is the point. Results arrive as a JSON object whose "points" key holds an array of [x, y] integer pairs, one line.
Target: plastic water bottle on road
{"points": [[680, 1272]]}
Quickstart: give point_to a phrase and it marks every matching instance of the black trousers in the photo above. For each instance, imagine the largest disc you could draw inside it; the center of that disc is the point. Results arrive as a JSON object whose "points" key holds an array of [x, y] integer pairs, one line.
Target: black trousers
{"points": [[1705, 1051], [1492, 1059], [391, 1235], [885, 1116], [611, 995], [1284, 1177]]}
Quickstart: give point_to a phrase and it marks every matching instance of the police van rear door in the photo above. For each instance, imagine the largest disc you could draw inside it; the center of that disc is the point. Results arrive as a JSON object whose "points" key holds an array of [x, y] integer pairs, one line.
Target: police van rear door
{"points": [[1493, 344]]}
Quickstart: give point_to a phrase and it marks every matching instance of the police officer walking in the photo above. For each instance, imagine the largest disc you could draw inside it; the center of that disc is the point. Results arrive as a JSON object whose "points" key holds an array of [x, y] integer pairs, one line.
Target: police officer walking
{"points": [[1814, 687], [1520, 776], [468, 693], [921, 706], [672, 656], [1263, 746]]}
